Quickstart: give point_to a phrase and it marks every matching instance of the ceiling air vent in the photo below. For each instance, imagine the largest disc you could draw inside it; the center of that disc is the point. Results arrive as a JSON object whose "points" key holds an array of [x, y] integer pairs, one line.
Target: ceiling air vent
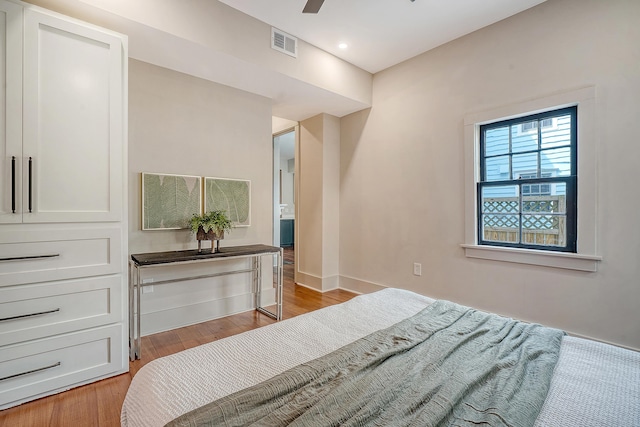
{"points": [[284, 42]]}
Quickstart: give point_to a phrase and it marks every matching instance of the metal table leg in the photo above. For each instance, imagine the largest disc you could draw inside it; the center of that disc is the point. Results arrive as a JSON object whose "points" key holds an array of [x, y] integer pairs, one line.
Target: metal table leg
{"points": [[131, 315], [280, 257], [138, 314]]}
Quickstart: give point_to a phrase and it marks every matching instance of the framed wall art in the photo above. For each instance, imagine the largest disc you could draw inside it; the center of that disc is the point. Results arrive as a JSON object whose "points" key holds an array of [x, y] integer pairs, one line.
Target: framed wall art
{"points": [[169, 201], [231, 195]]}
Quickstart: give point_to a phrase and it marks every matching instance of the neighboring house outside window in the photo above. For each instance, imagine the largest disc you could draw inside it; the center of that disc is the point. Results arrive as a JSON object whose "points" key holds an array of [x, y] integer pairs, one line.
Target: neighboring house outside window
{"points": [[527, 189], [533, 125], [536, 189]]}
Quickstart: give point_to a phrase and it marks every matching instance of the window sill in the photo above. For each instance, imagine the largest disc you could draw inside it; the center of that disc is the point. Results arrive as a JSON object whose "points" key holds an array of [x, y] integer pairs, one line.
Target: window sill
{"points": [[534, 257]]}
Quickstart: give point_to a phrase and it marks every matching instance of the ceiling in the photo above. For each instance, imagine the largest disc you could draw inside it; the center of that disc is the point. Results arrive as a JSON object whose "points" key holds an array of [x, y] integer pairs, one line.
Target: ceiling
{"points": [[381, 33]]}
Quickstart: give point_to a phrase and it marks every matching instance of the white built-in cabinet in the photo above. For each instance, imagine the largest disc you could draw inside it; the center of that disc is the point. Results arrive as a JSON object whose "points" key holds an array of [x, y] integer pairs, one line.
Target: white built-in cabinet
{"points": [[63, 242], [65, 166], [11, 111]]}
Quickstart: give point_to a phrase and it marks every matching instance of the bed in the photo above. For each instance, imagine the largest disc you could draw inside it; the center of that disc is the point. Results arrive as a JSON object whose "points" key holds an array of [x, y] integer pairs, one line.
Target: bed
{"points": [[590, 384]]}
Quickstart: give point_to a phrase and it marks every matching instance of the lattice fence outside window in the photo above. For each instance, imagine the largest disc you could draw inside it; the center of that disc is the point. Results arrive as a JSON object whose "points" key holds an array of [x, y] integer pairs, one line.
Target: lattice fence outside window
{"points": [[543, 220]]}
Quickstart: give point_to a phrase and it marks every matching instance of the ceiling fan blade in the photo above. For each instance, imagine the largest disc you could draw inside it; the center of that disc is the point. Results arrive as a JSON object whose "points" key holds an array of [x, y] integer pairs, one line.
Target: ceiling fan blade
{"points": [[312, 6]]}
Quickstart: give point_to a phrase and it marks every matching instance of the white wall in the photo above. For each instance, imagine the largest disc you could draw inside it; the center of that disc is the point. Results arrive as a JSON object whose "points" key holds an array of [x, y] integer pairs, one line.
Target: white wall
{"points": [[180, 124], [402, 167], [318, 203], [309, 219]]}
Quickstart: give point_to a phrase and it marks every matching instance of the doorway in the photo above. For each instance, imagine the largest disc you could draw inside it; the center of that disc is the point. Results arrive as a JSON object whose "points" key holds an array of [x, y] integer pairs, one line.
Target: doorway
{"points": [[284, 174]]}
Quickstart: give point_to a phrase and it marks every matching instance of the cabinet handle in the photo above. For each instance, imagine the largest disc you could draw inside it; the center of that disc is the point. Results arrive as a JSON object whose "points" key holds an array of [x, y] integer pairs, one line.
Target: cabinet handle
{"points": [[30, 180], [30, 372], [21, 258], [4, 319], [13, 184]]}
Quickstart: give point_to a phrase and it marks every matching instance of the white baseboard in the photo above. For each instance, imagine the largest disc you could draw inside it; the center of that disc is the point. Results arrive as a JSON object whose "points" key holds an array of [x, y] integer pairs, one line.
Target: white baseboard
{"points": [[359, 286], [309, 281], [202, 311], [178, 317], [330, 283], [320, 284], [347, 283]]}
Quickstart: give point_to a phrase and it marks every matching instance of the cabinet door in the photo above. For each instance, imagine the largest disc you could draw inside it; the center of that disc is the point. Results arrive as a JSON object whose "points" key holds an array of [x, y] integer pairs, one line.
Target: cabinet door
{"points": [[286, 232], [73, 121], [10, 112]]}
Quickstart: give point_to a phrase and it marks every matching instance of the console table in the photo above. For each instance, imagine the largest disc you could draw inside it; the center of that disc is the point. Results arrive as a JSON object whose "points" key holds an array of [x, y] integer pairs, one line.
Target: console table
{"points": [[140, 262]]}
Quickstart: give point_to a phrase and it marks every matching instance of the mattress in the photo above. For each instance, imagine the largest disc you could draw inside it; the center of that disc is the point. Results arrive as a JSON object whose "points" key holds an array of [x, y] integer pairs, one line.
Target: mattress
{"points": [[594, 384]]}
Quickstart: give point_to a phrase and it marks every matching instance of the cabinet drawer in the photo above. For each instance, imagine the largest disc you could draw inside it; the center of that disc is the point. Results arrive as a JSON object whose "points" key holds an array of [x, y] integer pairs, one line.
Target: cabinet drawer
{"points": [[36, 311], [39, 368], [28, 256]]}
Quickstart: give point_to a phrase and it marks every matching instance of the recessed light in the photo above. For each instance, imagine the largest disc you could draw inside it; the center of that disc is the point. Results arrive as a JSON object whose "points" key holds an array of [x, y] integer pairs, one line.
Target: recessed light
{"points": [[343, 45]]}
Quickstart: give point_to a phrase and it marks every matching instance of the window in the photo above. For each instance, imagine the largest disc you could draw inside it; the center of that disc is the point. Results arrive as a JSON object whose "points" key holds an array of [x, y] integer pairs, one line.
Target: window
{"points": [[526, 193], [585, 258]]}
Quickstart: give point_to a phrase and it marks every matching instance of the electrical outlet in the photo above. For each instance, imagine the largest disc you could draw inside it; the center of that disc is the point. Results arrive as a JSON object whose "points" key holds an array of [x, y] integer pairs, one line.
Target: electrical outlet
{"points": [[417, 269]]}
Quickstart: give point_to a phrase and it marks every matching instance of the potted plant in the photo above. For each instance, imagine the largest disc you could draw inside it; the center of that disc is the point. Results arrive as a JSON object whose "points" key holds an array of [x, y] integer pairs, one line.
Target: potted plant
{"points": [[210, 226]]}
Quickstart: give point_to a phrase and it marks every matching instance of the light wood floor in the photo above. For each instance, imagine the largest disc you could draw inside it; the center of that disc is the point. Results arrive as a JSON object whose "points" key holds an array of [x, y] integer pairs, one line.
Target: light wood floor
{"points": [[99, 404]]}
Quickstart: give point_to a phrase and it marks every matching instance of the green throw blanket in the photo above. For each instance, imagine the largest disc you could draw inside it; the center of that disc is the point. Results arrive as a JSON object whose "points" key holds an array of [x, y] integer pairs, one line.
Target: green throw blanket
{"points": [[448, 365]]}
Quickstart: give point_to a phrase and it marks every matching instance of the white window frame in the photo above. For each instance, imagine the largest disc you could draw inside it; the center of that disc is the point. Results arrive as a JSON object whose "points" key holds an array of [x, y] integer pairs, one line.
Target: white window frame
{"points": [[586, 258]]}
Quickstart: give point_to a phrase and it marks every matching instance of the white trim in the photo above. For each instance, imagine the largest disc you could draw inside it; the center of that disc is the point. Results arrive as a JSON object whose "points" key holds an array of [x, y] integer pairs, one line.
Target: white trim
{"points": [[320, 284], [309, 280], [167, 319], [586, 258], [586, 337], [535, 257], [359, 286]]}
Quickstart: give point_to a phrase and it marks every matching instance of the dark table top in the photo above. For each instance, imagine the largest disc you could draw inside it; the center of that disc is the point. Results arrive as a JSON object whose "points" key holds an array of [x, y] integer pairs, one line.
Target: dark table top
{"points": [[152, 258]]}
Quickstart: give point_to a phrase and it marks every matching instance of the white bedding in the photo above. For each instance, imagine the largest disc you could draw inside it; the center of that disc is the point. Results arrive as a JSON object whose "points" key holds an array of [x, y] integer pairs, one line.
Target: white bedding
{"points": [[594, 385]]}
